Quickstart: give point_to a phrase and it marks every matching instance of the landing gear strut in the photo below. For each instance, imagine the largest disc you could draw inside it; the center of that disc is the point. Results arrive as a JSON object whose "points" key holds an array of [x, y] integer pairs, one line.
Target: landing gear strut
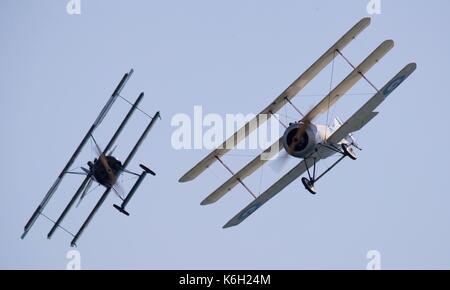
{"points": [[308, 183]]}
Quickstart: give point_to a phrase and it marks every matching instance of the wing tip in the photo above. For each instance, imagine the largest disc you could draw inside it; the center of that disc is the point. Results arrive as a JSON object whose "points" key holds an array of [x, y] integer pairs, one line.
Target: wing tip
{"points": [[363, 23], [229, 224], [194, 172], [185, 178], [390, 43], [207, 201], [212, 198], [413, 66], [366, 20]]}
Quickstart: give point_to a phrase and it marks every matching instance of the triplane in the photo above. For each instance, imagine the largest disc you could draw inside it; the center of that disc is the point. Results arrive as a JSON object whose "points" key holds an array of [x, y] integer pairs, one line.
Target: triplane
{"points": [[105, 169], [304, 139]]}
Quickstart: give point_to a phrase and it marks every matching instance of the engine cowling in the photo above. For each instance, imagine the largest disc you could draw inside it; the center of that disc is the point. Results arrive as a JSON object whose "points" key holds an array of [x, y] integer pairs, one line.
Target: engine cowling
{"points": [[306, 143]]}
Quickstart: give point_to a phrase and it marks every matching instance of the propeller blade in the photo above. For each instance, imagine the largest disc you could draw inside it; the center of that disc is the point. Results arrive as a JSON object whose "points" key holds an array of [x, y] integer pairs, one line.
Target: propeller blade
{"points": [[97, 148], [112, 151], [280, 162], [85, 191], [118, 189]]}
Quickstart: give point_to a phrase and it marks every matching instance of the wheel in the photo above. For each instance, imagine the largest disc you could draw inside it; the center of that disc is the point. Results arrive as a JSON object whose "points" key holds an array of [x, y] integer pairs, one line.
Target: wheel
{"points": [[309, 185], [348, 151], [121, 209]]}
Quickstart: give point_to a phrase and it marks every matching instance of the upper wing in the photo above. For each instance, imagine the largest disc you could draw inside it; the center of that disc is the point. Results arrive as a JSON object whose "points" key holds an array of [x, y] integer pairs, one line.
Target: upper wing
{"points": [[270, 192], [366, 113], [279, 102], [339, 91]]}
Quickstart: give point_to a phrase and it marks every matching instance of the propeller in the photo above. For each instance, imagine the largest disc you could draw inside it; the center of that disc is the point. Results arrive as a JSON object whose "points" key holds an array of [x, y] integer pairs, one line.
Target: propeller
{"points": [[116, 187], [279, 163], [298, 135], [104, 162]]}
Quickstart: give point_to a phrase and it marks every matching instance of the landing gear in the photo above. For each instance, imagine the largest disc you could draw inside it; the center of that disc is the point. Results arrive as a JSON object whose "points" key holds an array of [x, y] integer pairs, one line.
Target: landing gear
{"points": [[309, 183], [348, 151]]}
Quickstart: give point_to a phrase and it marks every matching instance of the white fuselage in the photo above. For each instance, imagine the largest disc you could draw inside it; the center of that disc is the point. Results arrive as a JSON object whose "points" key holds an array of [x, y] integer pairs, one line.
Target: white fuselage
{"points": [[313, 140]]}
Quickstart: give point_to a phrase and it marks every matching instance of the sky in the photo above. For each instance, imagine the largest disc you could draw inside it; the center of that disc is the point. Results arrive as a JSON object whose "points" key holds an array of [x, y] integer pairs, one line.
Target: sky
{"points": [[57, 71]]}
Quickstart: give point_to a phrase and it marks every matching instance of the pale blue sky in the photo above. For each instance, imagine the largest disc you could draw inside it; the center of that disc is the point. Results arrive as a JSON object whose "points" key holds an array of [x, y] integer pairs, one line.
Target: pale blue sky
{"points": [[234, 56]]}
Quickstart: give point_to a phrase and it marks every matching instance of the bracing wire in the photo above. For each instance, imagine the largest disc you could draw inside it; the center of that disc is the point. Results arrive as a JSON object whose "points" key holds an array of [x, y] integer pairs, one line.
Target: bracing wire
{"points": [[60, 226], [261, 180], [330, 89], [321, 95], [137, 108]]}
